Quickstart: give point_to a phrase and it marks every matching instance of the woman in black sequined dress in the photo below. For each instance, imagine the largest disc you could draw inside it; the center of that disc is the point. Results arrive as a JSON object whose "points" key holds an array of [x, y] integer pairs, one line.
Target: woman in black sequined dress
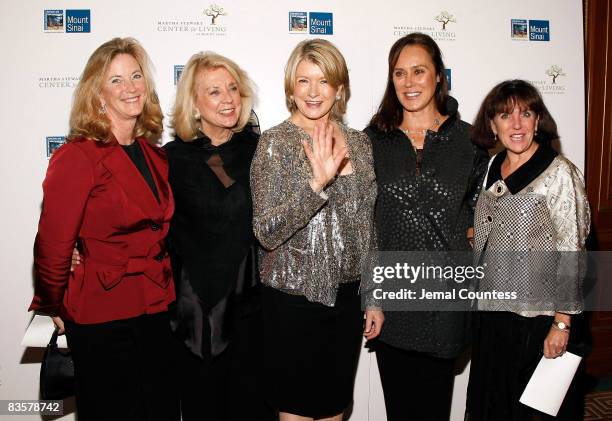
{"points": [[428, 174]]}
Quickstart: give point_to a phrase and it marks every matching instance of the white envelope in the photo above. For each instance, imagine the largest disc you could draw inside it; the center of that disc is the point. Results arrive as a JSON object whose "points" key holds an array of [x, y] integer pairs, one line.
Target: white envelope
{"points": [[39, 332], [549, 383]]}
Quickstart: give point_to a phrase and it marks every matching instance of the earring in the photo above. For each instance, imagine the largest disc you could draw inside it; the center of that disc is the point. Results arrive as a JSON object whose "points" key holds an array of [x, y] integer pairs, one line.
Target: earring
{"points": [[102, 109], [495, 136], [197, 116], [338, 97]]}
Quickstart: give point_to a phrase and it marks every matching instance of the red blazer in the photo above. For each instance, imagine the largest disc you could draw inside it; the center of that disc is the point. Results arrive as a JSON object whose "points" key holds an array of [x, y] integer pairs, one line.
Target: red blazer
{"points": [[95, 195]]}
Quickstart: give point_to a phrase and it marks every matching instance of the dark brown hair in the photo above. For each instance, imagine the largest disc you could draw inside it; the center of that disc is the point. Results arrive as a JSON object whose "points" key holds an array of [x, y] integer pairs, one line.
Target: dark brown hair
{"points": [[502, 99], [390, 112]]}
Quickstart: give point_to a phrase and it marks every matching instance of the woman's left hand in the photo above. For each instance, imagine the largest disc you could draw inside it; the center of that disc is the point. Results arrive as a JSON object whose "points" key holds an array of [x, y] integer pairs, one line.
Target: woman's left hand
{"points": [[374, 320], [555, 343]]}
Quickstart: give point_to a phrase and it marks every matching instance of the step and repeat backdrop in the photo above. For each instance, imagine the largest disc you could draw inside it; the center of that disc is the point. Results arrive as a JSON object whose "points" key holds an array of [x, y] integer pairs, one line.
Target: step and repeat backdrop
{"points": [[45, 45]]}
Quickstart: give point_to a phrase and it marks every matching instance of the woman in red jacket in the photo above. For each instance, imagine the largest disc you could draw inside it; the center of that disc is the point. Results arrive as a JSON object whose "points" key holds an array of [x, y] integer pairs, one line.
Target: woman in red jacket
{"points": [[107, 191]]}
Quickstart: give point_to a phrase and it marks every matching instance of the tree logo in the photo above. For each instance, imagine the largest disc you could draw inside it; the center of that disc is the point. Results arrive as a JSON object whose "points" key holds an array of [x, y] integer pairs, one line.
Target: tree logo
{"points": [[214, 11], [551, 85], [555, 71], [444, 18]]}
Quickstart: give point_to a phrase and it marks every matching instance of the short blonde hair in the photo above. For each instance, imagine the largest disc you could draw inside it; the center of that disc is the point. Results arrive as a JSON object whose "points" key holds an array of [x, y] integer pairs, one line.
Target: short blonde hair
{"points": [[325, 55], [86, 120], [183, 119]]}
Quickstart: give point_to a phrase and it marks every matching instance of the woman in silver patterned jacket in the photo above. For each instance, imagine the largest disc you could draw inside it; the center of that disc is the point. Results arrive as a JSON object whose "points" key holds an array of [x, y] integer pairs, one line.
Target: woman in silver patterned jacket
{"points": [[313, 195], [531, 222]]}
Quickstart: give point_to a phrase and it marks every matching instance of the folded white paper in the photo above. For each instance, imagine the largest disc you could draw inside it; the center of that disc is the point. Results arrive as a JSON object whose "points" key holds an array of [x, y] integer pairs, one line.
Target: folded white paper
{"points": [[549, 383], [39, 332]]}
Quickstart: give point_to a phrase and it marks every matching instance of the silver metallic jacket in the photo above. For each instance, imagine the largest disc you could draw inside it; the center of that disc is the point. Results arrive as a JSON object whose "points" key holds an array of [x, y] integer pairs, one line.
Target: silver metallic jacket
{"points": [[530, 230], [311, 243]]}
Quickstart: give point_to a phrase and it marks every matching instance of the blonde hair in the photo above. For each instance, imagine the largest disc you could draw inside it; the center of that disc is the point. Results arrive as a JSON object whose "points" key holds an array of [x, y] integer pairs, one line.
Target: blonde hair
{"points": [[86, 120], [325, 55], [183, 119]]}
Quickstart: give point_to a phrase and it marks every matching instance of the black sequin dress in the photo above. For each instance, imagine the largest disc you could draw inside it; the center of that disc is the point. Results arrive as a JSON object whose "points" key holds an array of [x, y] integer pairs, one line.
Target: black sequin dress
{"points": [[426, 207]]}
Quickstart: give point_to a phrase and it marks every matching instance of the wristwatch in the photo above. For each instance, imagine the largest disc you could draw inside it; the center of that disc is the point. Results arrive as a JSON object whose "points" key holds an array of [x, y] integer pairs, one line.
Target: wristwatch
{"points": [[561, 326]]}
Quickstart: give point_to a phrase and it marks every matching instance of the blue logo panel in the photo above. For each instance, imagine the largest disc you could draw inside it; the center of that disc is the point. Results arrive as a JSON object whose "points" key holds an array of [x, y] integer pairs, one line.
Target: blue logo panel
{"points": [[539, 30], [321, 23], [519, 29], [448, 77], [178, 71], [54, 142], [54, 20], [78, 21], [298, 22]]}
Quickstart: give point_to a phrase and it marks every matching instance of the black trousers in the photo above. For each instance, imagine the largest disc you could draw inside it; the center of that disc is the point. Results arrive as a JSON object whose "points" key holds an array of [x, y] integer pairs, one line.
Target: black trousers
{"points": [[227, 387], [124, 369], [507, 349], [416, 386]]}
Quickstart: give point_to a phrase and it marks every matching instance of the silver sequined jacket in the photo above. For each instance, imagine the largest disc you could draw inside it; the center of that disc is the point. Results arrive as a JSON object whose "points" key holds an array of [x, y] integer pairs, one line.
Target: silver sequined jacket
{"points": [[311, 244], [530, 230]]}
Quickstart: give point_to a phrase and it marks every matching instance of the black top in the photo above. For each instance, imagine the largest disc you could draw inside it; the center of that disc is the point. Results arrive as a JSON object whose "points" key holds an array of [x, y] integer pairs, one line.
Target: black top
{"points": [[426, 211], [211, 235], [135, 153]]}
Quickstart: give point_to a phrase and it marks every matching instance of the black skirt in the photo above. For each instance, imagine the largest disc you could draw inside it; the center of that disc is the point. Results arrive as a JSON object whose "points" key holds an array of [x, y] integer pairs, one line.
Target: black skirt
{"points": [[311, 351], [507, 349]]}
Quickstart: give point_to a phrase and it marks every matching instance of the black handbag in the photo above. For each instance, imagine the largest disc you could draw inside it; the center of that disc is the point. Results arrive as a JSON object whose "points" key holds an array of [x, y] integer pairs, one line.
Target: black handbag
{"points": [[56, 372]]}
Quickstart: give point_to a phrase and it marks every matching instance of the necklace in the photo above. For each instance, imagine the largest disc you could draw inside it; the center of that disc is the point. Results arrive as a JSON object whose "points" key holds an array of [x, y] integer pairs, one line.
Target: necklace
{"points": [[408, 132], [221, 141]]}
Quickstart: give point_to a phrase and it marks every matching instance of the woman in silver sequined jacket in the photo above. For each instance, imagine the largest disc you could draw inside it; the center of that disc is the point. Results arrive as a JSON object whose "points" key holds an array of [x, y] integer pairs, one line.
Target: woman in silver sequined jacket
{"points": [[312, 240], [531, 222], [314, 190]]}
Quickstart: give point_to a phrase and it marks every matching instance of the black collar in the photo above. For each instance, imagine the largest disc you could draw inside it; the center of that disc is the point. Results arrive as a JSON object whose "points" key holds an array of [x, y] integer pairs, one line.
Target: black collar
{"points": [[204, 142], [448, 123], [524, 174]]}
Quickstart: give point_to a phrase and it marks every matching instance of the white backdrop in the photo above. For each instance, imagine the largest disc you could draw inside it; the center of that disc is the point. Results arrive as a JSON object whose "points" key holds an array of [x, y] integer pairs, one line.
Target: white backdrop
{"points": [[41, 65]]}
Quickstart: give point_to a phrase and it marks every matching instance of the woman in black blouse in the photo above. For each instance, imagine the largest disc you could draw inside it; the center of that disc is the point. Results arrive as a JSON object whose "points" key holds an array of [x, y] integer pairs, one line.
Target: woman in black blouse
{"points": [[428, 173], [217, 315]]}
